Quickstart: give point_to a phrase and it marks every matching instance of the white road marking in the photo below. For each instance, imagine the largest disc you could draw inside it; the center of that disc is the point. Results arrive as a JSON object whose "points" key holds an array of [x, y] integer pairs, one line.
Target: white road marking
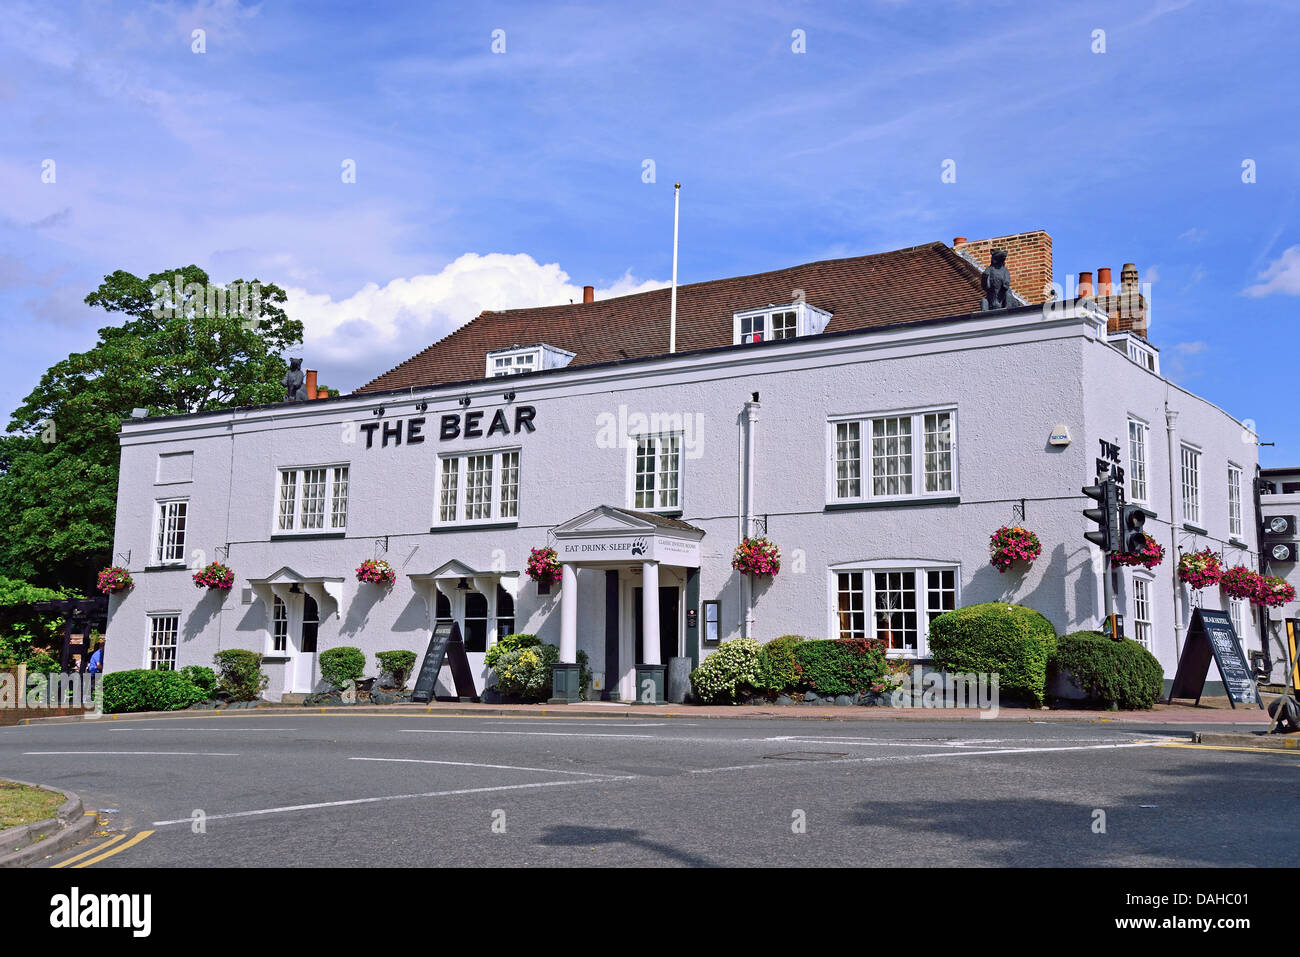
{"points": [[206, 728], [884, 743], [545, 734], [941, 754], [206, 754], [392, 797], [470, 764]]}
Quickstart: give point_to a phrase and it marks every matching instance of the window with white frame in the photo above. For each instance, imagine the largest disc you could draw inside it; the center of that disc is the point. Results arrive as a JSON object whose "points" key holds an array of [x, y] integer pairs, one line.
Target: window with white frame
{"points": [[1142, 611], [514, 364], [1191, 474], [1137, 460], [169, 531], [905, 455], [779, 322], [279, 625], [893, 605], [1234, 501], [313, 499], [1238, 609], [656, 471], [162, 642], [478, 487]]}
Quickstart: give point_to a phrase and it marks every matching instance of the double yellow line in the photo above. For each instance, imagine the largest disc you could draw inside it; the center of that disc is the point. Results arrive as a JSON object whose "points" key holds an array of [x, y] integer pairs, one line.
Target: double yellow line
{"points": [[99, 853]]}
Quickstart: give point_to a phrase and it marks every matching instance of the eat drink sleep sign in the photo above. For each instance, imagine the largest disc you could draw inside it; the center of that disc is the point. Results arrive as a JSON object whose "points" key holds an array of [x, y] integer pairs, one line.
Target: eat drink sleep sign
{"points": [[454, 425]]}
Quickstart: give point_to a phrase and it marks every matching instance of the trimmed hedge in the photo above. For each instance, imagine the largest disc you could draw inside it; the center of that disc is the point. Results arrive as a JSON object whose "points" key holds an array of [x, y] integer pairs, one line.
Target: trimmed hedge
{"points": [[144, 690], [340, 665], [1012, 641], [240, 673], [777, 669], [839, 666], [727, 673], [1119, 673], [396, 663]]}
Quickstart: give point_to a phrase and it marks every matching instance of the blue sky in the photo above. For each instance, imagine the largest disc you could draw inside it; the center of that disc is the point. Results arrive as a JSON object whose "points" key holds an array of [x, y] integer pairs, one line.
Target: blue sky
{"points": [[492, 180]]}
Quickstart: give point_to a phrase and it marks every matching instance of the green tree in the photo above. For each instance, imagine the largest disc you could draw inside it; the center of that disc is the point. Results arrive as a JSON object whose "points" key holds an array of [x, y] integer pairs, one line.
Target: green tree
{"points": [[23, 631], [184, 346]]}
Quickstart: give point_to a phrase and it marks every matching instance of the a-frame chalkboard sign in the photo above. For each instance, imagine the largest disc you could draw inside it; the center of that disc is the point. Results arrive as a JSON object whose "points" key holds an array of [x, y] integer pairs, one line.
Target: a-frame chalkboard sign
{"points": [[445, 644], [1211, 635]]}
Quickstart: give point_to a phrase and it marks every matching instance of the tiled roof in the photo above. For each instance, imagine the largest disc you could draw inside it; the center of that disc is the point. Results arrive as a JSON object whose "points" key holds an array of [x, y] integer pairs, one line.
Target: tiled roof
{"points": [[905, 285]]}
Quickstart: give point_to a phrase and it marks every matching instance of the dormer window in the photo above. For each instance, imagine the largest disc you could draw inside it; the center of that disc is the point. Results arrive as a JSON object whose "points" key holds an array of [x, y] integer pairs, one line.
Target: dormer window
{"points": [[1137, 349], [779, 322], [517, 360]]}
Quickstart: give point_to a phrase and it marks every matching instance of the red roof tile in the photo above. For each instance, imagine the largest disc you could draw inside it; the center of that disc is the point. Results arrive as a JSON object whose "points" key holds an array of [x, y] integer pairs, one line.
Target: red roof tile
{"points": [[905, 285]]}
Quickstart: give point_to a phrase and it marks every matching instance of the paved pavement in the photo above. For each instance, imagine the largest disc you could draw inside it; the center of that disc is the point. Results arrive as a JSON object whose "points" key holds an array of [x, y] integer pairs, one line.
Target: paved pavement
{"points": [[407, 787]]}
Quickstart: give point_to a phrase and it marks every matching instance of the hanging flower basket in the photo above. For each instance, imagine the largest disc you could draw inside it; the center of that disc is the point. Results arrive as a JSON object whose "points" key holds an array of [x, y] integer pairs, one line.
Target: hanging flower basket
{"points": [[756, 556], [543, 566], [1151, 554], [1200, 569], [1272, 592], [216, 575], [114, 579], [1011, 544], [376, 571], [1239, 582]]}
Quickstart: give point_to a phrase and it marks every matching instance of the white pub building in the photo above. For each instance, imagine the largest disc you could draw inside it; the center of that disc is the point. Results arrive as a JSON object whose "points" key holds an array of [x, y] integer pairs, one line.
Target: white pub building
{"points": [[863, 414]]}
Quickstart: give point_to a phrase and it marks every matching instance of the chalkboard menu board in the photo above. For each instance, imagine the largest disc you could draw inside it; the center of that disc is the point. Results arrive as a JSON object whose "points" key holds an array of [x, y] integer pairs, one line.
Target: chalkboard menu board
{"points": [[1211, 635], [444, 643]]}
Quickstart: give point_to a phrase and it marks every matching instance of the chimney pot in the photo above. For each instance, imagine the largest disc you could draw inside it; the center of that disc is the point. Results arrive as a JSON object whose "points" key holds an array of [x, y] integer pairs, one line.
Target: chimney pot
{"points": [[1085, 284], [311, 384], [1104, 285], [588, 293], [959, 241]]}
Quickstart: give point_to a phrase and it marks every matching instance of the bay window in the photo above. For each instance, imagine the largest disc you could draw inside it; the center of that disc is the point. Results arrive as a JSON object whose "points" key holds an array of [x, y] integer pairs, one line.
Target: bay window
{"points": [[312, 500], [907, 455], [478, 487], [894, 605]]}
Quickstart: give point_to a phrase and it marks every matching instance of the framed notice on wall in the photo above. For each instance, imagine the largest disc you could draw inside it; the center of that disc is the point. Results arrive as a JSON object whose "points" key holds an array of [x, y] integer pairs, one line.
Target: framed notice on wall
{"points": [[712, 622]]}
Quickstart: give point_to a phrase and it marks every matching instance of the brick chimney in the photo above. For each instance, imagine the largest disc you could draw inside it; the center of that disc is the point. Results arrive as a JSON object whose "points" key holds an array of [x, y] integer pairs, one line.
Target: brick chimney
{"points": [[1029, 260], [1126, 306], [588, 293], [311, 384]]}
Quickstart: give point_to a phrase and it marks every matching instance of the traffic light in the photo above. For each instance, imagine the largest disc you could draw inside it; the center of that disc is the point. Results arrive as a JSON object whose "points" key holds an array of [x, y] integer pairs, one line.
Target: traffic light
{"points": [[1106, 537], [1132, 519]]}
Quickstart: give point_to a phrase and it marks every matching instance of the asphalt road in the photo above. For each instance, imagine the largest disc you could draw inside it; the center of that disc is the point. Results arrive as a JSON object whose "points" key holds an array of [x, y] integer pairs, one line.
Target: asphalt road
{"points": [[386, 791]]}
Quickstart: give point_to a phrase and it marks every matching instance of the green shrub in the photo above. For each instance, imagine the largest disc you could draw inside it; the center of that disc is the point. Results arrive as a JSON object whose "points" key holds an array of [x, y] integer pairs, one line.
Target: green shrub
{"points": [[1119, 673], [396, 663], [509, 643], [777, 670], [205, 679], [1012, 641], [124, 691], [725, 675], [840, 666], [525, 672], [240, 673], [142, 690], [43, 663], [24, 630], [338, 666]]}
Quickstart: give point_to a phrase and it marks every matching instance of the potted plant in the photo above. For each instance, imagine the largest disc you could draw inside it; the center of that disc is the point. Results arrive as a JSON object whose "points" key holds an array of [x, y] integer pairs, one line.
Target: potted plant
{"points": [[1239, 582], [216, 575], [1009, 545], [1200, 569], [757, 556], [543, 567], [1150, 554], [114, 579], [376, 571], [1272, 592]]}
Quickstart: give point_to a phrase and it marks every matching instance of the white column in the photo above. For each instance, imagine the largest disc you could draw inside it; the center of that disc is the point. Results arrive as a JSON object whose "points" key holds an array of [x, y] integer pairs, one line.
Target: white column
{"points": [[568, 614], [650, 613]]}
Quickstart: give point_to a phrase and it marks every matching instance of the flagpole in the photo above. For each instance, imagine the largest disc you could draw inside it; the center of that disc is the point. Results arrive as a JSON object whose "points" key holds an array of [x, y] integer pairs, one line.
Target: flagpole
{"points": [[672, 312]]}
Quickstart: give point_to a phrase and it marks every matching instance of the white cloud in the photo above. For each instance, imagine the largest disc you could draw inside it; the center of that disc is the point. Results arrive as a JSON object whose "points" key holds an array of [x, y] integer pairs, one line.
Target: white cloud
{"points": [[1190, 348], [352, 340], [1281, 275], [1193, 235], [1152, 274]]}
